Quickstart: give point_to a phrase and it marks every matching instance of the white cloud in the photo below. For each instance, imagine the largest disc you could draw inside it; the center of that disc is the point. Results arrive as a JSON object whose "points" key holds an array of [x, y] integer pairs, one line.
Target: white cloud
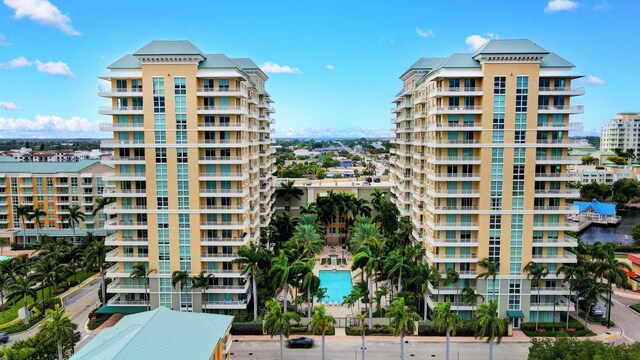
{"points": [[50, 67], [18, 63], [475, 41], [425, 33], [561, 5], [43, 12], [54, 68], [604, 4], [8, 105], [49, 123], [594, 81], [330, 67], [270, 67]]}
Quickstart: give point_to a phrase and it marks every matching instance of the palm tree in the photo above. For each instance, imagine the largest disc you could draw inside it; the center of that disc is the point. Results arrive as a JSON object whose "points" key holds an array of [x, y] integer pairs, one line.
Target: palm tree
{"points": [[310, 281], [452, 277], [99, 203], [59, 327], [74, 217], [536, 273], [396, 266], [321, 322], [95, 255], [310, 209], [23, 211], [377, 196], [22, 288], [21, 354], [251, 256], [5, 280], [614, 271], [488, 325], [571, 275], [492, 269], [470, 296], [279, 322], [139, 271], [592, 291], [281, 273], [362, 326], [36, 214], [180, 278], [308, 238], [365, 232], [202, 281], [50, 274], [434, 277], [443, 318], [360, 207], [288, 191], [402, 321]]}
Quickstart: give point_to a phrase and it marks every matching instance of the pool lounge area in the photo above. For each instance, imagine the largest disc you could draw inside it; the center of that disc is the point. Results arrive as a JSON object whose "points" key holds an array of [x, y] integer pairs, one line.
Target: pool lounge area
{"points": [[338, 284]]}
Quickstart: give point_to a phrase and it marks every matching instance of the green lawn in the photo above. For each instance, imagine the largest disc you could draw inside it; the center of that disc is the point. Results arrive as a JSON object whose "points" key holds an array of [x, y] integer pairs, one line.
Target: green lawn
{"points": [[12, 312], [635, 307]]}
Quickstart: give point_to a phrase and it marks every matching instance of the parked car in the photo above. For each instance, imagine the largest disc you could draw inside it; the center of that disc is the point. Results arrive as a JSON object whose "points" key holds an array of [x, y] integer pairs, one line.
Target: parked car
{"points": [[368, 179], [77, 336], [301, 342], [376, 180], [4, 337], [596, 311]]}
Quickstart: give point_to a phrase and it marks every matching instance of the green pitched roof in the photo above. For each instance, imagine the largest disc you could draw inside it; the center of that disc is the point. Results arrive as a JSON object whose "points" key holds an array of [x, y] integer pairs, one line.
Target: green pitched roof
{"points": [[46, 167], [172, 47], [158, 334], [554, 60], [510, 46], [126, 62]]}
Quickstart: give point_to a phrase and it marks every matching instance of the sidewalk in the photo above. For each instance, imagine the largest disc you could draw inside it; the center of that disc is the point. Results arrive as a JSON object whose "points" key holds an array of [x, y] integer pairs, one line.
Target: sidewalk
{"points": [[627, 294]]}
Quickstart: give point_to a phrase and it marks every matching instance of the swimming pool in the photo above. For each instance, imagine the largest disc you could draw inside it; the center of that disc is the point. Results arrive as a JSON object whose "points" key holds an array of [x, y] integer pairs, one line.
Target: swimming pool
{"points": [[4, 258], [338, 284]]}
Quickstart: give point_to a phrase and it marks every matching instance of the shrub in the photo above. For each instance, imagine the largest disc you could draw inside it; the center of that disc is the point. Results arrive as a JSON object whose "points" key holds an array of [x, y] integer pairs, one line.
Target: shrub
{"points": [[568, 348], [376, 330], [302, 330], [635, 307], [546, 329], [247, 328], [97, 320], [427, 329]]}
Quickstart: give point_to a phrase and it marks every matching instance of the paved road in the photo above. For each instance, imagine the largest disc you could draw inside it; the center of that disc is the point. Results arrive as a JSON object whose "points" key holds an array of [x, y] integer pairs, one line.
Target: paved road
{"points": [[78, 305], [344, 350], [626, 318]]}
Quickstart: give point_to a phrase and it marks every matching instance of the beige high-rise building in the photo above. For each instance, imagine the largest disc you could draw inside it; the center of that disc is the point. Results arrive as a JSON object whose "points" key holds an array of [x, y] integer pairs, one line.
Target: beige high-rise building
{"points": [[193, 173], [622, 132], [480, 166]]}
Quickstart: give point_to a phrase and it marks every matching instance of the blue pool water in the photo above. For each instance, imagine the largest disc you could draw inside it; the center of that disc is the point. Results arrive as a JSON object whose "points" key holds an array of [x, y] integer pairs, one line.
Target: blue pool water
{"points": [[338, 284], [3, 258]]}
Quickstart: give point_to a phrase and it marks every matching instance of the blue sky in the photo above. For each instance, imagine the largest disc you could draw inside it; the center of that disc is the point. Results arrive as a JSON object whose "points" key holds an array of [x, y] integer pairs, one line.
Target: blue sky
{"points": [[343, 57]]}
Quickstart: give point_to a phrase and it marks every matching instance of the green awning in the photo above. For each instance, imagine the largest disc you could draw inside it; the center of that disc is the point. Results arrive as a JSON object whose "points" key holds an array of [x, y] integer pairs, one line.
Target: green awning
{"points": [[105, 310], [515, 314]]}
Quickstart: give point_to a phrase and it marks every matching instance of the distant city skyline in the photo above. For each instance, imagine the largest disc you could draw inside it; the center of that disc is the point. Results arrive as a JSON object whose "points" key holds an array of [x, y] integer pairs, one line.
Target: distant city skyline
{"points": [[333, 66]]}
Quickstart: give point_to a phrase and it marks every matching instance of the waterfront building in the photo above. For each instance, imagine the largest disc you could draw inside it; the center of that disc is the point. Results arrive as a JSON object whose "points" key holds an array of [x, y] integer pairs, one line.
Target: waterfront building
{"points": [[622, 132], [193, 173], [52, 187], [480, 167]]}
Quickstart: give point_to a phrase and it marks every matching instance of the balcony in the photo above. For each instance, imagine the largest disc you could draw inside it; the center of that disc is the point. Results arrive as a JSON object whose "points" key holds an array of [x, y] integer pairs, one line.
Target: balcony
{"points": [[451, 258], [452, 209], [455, 242], [116, 240], [565, 226], [218, 257], [557, 142], [560, 109], [438, 110], [459, 126], [222, 142], [562, 91], [455, 91], [222, 110], [453, 160], [566, 241], [453, 225], [556, 177], [121, 110], [117, 287], [125, 225], [453, 177], [120, 92], [225, 209], [550, 126], [140, 160], [234, 126], [224, 192], [566, 257], [125, 192], [115, 301], [221, 225], [562, 210], [224, 176], [557, 193], [222, 91], [224, 159], [228, 289], [559, 305], [115, 272], [453, 193], [560, 290], [226, 304], [558, 160], [121, 127], [114, 256], [109, 144], [125, 176], [221, 241], [461, 143]]}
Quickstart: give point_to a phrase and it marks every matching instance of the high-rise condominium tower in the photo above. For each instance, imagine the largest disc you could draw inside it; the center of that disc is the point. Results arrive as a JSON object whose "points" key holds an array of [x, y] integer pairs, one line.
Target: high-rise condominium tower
{"points": [[480, 166], [622, 132], [193, 173]]}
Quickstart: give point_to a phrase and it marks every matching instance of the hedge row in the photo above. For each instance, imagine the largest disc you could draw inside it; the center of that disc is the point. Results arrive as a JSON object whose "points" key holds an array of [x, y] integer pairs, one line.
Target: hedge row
{"points": [[428, 329], [300, 329], [546, 329], [247, 328], [376, 330]]}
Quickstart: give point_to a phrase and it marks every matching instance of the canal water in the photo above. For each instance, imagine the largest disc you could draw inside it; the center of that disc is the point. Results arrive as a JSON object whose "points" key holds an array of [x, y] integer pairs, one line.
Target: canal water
{"points": [[620, 234]]}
